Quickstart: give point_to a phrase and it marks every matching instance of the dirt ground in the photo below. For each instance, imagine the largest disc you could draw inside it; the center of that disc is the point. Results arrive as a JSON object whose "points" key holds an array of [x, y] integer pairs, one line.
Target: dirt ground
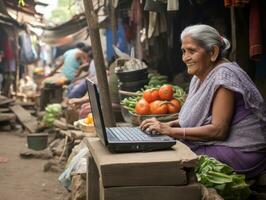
{"points": [[24, 179]]}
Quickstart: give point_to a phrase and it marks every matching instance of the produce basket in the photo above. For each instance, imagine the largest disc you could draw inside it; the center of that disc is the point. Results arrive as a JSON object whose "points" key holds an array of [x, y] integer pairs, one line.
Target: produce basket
{"points": [[162, 102], [136, 119], [83, 126]]}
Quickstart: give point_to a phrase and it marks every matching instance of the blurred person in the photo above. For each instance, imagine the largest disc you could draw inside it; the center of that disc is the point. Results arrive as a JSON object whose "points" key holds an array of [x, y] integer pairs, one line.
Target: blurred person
{"points": [[2, 67], [78, 87], [72, 60]]}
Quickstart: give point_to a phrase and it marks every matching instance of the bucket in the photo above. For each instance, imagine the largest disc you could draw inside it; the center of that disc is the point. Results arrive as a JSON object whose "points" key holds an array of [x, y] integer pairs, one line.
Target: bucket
{"points": [[37, 141], [132, 75], [132, 86]]}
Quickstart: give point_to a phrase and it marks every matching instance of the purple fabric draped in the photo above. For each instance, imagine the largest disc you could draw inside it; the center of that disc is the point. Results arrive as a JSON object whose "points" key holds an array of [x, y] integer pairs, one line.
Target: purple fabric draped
{"points": [[251, 164]]}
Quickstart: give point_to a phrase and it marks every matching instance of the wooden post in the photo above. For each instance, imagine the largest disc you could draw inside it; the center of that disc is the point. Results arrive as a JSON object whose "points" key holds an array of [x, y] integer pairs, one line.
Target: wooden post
{"points": [[233, 34], [113, 22], [99, 63], [17, 62]]}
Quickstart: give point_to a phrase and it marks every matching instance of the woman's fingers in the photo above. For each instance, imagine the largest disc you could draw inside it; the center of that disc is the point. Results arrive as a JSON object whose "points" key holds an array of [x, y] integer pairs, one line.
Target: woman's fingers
{"points": [[154, 129], [145, 126], [146, 121]]}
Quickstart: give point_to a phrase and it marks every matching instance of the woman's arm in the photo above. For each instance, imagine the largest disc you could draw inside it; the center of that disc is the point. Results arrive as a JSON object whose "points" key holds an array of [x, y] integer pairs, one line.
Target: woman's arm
{"points": [[174, 123], [222, 112], [81, 68], [82, 57]]}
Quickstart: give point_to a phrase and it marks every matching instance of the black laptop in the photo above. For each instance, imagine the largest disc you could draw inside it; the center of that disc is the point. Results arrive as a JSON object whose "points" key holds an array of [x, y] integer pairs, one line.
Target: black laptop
{"points": [[123, 139]]}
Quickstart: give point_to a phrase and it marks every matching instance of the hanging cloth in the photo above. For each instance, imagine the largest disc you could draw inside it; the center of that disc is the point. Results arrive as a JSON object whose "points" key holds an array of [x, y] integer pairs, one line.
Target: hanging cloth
{"points": [[27, 55], [115, 3], [135, 12], [172, 5], [152, 23], [162, 23], [235, 3], [155, 6], [255, 31]]}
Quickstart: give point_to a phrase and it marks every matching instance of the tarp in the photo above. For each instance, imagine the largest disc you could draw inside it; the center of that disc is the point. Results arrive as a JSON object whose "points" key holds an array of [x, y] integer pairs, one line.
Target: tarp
{"points": [[23, 14], [80, 35], [75, 29]]}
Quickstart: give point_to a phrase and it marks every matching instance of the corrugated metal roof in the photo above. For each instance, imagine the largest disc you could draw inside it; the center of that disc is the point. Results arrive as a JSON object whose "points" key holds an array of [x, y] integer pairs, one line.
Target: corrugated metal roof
{"points": [[5, 18]]}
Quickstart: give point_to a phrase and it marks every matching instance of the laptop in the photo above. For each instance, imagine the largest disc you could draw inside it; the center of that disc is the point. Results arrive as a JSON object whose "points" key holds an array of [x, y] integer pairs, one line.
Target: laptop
{"points": [[123, 139]]}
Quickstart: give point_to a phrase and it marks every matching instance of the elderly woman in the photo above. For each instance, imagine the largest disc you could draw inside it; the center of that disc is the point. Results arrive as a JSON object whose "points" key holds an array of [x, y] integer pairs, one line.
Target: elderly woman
{"points": [[224, 115]]}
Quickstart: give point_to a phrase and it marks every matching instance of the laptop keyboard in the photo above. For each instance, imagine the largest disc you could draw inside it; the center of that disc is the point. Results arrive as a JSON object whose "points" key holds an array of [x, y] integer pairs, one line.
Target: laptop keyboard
{"points": [[129, 134]]}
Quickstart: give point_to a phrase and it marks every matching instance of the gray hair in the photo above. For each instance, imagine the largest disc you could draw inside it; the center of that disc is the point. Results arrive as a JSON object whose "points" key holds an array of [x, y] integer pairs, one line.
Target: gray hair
{"points": [[207, 36]]}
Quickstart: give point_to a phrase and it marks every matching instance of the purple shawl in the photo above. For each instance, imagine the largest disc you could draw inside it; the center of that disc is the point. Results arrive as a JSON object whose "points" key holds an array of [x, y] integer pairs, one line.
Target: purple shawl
{"points": [[250, 133]]}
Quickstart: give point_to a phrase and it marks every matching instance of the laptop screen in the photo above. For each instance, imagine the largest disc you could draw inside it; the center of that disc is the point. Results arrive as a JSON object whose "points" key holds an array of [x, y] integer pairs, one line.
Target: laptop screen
{"points": [[96, 111]]}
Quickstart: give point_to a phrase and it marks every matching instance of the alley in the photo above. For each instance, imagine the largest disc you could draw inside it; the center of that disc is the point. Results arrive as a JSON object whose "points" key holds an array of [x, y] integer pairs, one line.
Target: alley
{"points": [[24, 178]]}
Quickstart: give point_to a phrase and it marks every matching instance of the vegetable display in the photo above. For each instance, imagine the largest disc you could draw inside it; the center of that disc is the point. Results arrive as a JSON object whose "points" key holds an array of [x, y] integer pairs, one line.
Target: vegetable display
{"points": [[156, 81], [165, 99], [142, 107], [214, 174], [52, 112], [151, 95], [158, 107], [174, 106]]}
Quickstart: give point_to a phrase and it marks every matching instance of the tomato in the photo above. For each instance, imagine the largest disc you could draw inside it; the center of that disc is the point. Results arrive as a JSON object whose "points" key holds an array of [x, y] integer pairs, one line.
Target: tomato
{"points": [[158, 107], [151, 95], [166, 92], [142, 107], [174, 106], [177, 103]]}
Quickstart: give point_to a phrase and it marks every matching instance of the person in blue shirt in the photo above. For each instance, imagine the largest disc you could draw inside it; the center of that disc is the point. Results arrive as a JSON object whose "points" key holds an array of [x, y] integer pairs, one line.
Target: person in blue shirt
{"points": [[69, 65], [2, 66]]}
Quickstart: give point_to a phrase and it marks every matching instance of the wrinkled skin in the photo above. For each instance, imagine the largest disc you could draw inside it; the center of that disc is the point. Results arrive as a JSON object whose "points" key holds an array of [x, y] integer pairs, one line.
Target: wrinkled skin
{"points": [[153, 126]]}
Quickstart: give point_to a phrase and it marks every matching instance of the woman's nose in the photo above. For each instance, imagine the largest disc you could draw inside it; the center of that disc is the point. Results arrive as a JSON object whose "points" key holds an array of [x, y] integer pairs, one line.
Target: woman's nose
{"points": [[185, 57]]}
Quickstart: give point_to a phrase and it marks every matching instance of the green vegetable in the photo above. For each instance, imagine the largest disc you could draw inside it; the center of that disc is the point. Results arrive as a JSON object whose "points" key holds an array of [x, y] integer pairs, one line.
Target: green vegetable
{"points": [[21, 3], [215, 174], [52, 112], [130, 102], [155, 81]]}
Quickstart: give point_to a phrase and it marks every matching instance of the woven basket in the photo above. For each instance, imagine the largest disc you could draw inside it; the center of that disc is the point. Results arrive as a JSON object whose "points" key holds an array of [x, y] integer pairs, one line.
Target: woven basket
{"points": [[136, 119], [89, 129]]}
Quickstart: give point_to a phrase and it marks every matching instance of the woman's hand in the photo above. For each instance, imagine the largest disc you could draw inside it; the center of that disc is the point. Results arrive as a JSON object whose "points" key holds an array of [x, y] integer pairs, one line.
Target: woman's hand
{"points": [[75, 102], [154, 126]]}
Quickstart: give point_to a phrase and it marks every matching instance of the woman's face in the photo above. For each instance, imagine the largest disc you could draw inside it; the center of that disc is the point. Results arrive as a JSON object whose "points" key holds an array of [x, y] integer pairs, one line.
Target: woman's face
{"points": [[196, 58]]}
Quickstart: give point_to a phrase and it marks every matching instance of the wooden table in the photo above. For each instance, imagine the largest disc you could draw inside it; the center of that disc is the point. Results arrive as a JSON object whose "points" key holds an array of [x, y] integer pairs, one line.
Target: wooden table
{"points": [[143, 175]]}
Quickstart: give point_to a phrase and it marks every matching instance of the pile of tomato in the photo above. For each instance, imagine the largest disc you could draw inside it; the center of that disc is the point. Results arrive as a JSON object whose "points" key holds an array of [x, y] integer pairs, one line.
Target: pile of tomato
{"points": [[158, 101]]}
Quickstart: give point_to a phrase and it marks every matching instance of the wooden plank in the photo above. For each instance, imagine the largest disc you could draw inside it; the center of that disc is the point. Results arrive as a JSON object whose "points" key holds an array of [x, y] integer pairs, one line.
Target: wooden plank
{"points": [[3, 97], [4, 110], [141, 169], [60, 124], [27, 120], [3, 102], [93, 189], [25, 104], [187, 192], [7, 117]]}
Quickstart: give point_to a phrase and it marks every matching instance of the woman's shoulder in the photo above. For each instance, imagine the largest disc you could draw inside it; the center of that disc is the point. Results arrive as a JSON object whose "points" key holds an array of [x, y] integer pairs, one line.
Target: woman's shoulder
{"points": [[227, 70], [228, 66]]}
